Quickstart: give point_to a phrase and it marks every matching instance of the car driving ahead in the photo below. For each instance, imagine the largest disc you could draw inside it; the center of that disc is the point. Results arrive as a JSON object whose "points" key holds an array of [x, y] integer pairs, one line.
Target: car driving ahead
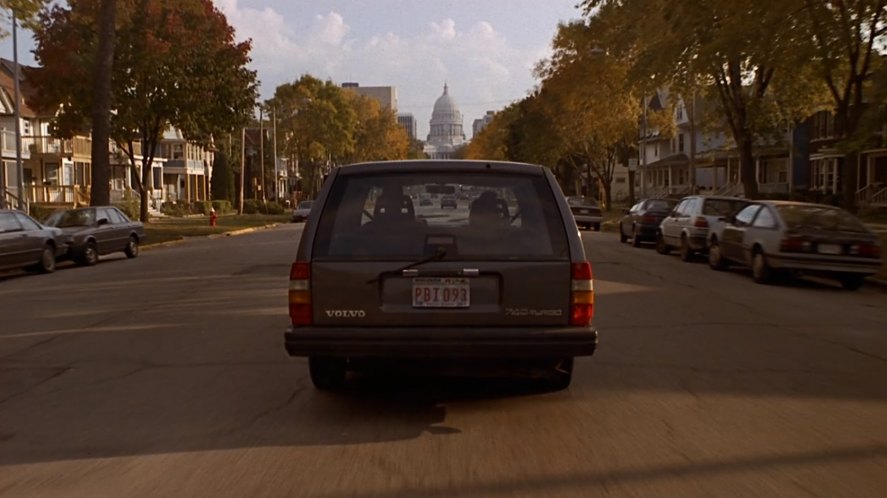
{"points": [[506, 281]]}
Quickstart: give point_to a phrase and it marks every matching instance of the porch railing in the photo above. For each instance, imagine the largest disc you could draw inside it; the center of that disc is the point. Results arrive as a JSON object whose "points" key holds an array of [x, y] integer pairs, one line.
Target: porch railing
{"points": [[878, 198], [9, 200]]}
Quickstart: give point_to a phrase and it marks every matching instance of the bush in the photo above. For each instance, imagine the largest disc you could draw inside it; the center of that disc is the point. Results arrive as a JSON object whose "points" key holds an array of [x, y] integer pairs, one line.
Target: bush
{"points": [[222, 206], [250, 206], [273, 208], [174, 209], [201, 207], [40, 213]]}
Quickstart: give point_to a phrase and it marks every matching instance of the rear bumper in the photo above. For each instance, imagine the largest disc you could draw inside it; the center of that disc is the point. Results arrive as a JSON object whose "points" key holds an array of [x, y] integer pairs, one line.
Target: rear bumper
{"points": [[821, 264], [588, 218], [462, 342]]}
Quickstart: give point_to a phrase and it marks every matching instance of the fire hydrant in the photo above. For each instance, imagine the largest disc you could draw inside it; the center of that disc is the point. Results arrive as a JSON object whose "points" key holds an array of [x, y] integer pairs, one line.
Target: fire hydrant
{"points": [[212, 217]]}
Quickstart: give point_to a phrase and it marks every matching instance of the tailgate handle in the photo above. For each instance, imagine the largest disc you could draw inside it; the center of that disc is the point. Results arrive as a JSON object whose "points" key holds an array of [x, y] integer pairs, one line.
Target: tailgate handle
{"points": [[464, 272]]}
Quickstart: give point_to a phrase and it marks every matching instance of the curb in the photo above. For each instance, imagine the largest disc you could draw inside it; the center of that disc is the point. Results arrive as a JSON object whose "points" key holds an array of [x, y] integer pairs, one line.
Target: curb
{"points": [[877, 282], [240, 231]]}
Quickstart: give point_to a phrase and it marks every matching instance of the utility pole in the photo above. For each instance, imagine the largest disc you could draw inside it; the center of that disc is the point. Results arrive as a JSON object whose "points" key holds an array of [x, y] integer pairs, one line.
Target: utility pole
{"points": [[242, 169], [644, 152], [276, 172], [19, 169], [262, 153]]}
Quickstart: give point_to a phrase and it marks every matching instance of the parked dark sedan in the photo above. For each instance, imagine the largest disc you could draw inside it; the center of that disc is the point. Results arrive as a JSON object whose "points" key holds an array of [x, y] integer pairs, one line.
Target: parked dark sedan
{"points": [[24, 243], [96, 231], [641, 222], [780, 236]]}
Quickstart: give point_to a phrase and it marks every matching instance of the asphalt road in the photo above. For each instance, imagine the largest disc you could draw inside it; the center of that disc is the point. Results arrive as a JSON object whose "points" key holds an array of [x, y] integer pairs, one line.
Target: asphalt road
{"points": [[165, 376]]}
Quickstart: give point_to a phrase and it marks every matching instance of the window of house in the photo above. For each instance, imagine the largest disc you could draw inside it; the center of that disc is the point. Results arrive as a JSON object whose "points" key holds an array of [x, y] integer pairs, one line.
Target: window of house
{"points": [[620, 180], [680, 112], [681, 142], [178, 151], [52, 173]]}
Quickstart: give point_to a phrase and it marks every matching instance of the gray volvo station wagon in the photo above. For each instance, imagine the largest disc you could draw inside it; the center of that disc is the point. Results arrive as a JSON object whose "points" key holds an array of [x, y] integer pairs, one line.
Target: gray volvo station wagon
{"points": [[380, 278]]}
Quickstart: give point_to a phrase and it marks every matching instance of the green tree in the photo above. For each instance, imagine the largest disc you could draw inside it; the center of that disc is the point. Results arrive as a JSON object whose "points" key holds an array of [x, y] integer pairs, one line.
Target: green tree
{"points": [[317, 125], [222, 181], [169, 54]]}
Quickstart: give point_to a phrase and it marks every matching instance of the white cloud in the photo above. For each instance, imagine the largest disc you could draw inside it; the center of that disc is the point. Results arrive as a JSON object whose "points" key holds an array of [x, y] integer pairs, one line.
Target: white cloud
{"points": [[481, 68]]}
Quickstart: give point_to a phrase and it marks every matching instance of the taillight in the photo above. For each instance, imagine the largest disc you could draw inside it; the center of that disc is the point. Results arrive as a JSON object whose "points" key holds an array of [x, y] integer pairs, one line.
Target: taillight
{"points": [[795, 244], [648, 219], [582, 295], [866, 249], [700, 222], [300, 294]]}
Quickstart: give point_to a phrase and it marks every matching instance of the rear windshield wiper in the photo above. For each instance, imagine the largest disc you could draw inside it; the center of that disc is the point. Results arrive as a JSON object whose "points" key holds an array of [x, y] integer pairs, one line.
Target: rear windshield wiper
{"points": [[438, 255]]}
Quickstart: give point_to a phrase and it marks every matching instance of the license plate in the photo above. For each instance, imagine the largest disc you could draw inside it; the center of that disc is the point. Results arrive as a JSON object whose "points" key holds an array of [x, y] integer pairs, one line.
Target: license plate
{"points": [[829, 249], [441, 293], [584, 211]]}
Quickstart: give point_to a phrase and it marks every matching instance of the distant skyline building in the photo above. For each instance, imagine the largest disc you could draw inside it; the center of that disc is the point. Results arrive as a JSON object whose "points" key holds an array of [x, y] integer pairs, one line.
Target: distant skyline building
{"points": [[446, 135], [479, 124], [409, 123], [385, 95]]}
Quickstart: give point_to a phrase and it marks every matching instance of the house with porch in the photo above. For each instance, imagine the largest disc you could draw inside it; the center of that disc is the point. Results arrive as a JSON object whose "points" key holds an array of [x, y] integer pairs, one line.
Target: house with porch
{"points": [[691, 157], [826, 161], [187, 168]]}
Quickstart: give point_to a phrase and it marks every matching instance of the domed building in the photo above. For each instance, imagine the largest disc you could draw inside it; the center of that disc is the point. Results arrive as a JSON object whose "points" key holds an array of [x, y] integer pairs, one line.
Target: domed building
{"points": [[446, 134]]}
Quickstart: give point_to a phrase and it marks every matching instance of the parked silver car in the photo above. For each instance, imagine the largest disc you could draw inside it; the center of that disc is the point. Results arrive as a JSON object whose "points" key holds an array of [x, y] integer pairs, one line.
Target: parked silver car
{"points": [[687, 226], [25, 243], [586, 212], [300, 214], [505, 281], [778, 236]]}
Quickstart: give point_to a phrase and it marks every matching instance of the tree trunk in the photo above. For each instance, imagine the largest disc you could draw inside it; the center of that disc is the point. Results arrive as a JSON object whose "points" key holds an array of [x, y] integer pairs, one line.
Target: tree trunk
{"points": [[849, 176], [607, 187], [747, 168], [100, 194], [631, 178]]}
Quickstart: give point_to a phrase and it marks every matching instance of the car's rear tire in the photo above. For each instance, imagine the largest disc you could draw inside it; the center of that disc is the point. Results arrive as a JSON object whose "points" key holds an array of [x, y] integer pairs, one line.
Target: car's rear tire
{"points": [[661, 246], [852, 282], [685, 251], [760, 269], [562, 375], [635, 237], [596, 227], [132, 247], [47, 260], [327, 374], [622, 237], [90, 254], [716, 260]]}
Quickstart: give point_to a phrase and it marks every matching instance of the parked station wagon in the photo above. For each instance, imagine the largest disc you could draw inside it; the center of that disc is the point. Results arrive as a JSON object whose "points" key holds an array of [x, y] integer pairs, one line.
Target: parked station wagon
{"points": [[504, 277]]}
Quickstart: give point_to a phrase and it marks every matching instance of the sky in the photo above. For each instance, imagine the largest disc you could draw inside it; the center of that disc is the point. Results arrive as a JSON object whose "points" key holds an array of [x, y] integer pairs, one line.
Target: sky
{"points": [[484, 50]]}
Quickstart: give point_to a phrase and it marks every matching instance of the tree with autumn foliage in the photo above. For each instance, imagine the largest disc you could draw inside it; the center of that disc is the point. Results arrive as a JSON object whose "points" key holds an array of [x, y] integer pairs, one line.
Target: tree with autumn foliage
{"points": [[749, 56], [321, 125], [378, 135], [590, 102], [176, 64]]}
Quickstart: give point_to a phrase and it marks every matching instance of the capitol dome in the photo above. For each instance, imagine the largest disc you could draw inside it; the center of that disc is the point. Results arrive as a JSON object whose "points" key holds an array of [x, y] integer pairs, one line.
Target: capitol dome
{"points": [[446, 127]]}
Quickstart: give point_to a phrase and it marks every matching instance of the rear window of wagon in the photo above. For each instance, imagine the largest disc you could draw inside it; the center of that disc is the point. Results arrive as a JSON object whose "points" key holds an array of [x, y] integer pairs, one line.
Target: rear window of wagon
{"points": [[497, 215]]}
